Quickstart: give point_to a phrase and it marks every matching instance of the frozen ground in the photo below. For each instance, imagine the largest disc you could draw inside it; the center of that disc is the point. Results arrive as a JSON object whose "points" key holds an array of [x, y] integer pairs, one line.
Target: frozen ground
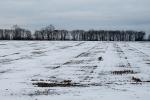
{"points": [[74, 70]]}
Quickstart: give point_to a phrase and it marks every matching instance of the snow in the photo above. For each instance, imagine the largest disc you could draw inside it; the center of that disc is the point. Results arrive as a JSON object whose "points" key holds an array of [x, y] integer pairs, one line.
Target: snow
{"points": [[24, 61]]}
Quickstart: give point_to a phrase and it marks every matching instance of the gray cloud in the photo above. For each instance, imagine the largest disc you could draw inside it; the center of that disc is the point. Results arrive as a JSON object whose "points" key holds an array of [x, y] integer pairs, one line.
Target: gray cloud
{"points": [[85, 14]]}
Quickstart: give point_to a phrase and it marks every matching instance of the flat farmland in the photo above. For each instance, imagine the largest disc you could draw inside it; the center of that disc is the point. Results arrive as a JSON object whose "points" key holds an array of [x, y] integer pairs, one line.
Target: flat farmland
{"points": [[74, 70]]}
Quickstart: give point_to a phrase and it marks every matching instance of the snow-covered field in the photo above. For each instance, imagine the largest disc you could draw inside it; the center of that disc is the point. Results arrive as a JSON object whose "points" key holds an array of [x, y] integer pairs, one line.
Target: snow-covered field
{"points": [[56, 70]]}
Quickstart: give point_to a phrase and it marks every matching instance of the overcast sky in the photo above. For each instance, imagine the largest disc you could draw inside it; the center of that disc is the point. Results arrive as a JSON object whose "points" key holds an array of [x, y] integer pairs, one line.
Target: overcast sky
{"points": [[72, 14]]}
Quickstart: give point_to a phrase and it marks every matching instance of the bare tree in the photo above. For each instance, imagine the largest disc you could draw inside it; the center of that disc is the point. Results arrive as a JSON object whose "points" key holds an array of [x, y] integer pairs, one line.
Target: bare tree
{"points": [[50, 33], [149, 37]]}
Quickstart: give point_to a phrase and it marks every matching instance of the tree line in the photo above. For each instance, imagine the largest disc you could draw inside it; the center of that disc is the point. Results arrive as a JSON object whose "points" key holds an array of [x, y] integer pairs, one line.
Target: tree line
{"points": [[50, 33], [15, 34]]}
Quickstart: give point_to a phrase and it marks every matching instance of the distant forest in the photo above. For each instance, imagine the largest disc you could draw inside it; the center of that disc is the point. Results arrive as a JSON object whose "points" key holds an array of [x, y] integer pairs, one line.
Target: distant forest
{"points": [[50, 33]]}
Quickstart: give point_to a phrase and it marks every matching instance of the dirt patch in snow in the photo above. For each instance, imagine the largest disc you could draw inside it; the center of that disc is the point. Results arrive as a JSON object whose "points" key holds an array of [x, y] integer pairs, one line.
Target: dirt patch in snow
{"points": [[123, 72], [100, 58], [138, 80], [135, 79], [65, 83]]}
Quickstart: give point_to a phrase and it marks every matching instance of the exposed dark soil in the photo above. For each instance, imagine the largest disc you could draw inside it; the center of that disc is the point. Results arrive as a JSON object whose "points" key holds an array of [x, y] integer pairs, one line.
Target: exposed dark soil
{"points": [[123, 72], [44, 92], [135, 79], [100, 58], [65, 83]]}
